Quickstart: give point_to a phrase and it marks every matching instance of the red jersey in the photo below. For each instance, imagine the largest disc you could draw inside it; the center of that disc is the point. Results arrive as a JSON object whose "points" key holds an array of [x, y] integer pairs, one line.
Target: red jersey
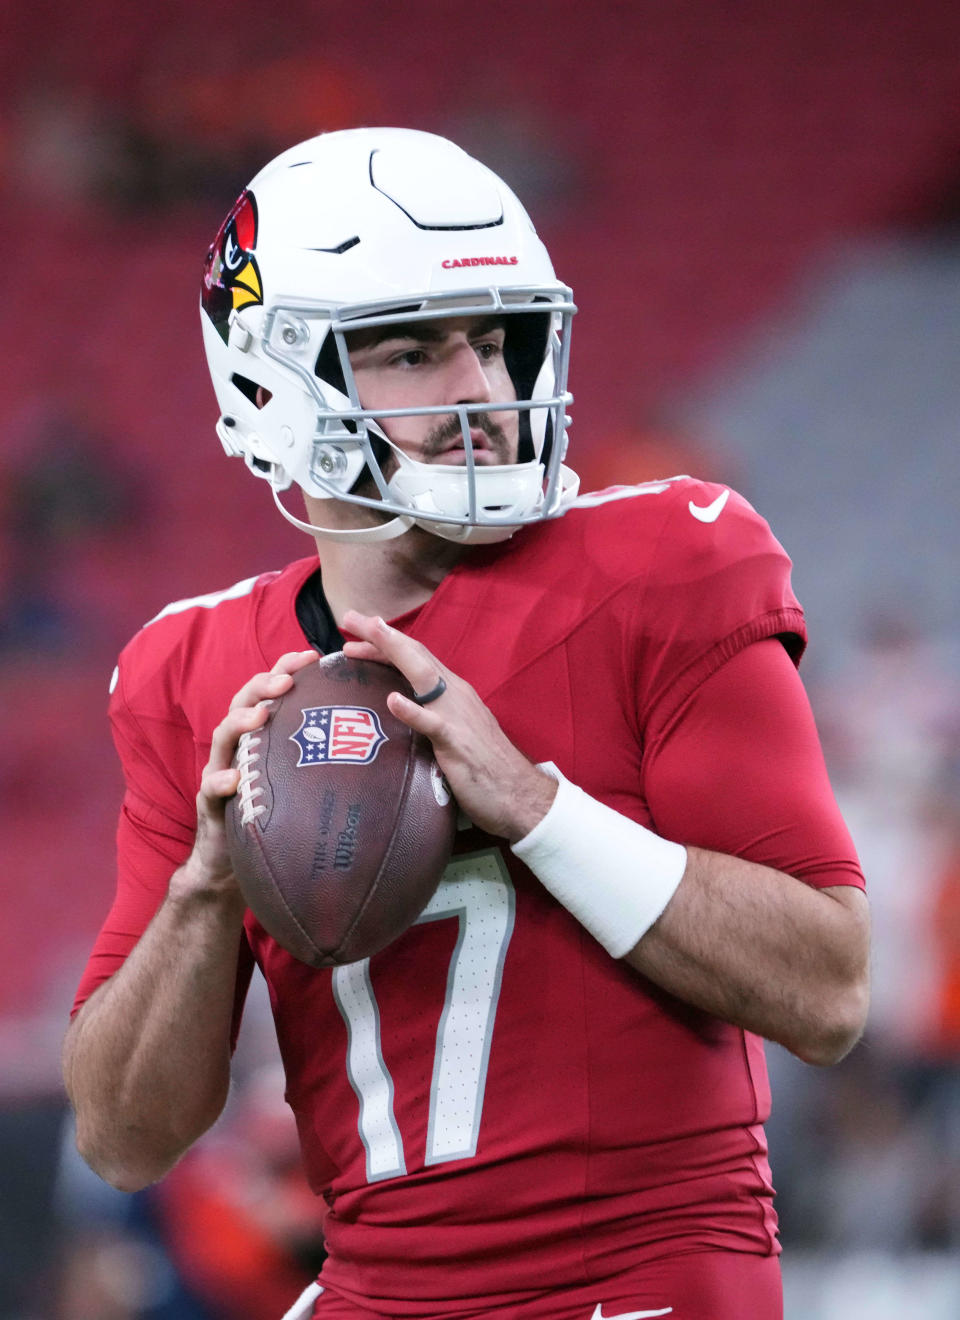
{"points": [[493, 1104]]}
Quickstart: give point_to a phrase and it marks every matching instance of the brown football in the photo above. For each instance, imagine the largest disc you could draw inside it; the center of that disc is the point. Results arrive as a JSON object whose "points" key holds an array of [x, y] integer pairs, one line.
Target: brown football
{"points": [[342, 824]]}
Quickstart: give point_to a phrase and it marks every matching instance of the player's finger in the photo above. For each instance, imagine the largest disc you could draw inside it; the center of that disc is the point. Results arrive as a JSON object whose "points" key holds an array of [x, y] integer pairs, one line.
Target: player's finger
{"points": [[291, 661], [365, 651], [219, 784], [221, 778], [264, 686], [421, 668], [229, 731], [423, 719]]}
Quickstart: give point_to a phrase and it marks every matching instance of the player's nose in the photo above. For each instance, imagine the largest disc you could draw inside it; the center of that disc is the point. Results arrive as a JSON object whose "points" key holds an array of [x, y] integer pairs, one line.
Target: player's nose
{"points": [[467, 382]]}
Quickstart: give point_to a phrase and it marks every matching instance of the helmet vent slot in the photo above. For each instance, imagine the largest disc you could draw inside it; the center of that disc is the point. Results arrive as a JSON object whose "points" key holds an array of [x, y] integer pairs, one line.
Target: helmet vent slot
{"points": [[339, 250], [257, 395]]}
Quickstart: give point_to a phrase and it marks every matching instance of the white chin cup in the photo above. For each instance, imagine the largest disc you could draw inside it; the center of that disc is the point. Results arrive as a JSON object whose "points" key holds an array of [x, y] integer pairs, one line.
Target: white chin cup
{"points": [[506, 495]]}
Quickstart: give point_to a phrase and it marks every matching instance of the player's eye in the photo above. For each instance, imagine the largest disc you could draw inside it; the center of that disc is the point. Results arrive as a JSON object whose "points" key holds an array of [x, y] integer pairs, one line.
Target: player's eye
{"points": [[488, 349], [409, 357]]}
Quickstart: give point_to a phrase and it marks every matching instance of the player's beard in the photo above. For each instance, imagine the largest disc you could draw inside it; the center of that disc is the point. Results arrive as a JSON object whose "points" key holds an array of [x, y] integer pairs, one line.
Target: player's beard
{"points": [[439, 439]]}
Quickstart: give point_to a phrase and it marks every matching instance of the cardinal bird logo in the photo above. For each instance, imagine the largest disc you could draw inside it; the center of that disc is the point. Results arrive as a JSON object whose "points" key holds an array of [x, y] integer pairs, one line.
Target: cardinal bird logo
{"points": [[231, 276]]}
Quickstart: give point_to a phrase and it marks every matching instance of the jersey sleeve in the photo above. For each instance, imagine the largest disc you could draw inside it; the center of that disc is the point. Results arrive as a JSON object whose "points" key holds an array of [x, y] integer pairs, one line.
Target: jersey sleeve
{"points": [[714, 587], [739, 770], [157, 821]]}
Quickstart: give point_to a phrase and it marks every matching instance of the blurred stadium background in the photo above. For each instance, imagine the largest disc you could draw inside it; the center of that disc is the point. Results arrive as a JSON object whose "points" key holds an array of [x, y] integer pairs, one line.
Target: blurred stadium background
{"points": [[758, 207]]}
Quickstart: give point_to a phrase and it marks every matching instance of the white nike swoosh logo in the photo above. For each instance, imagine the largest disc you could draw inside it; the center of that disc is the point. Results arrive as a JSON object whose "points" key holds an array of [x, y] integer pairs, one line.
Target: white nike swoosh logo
{"points": [[709, 513], [629, 1315]]}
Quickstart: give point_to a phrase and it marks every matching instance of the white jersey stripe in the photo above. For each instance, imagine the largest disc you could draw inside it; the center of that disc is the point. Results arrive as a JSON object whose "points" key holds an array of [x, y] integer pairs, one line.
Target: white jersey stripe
{"points": [[208, 602], [596, 498]]}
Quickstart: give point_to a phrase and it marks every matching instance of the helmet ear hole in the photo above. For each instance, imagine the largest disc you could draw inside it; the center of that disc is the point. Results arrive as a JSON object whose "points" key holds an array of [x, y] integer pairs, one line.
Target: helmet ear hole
{"points": [[258, 395]]}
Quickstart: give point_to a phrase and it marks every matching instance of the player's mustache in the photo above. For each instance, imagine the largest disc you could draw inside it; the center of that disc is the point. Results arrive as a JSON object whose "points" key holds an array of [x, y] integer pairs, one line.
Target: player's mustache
{"points": [[439, 439]]}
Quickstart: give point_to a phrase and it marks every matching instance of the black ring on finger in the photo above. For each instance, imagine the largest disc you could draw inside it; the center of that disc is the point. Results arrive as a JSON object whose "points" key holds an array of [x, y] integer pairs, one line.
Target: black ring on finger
{"points": [[424, 699]]}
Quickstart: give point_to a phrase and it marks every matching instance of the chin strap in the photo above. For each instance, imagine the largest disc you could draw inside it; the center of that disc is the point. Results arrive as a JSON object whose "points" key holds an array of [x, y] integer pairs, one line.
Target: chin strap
{"points": [[476, 533], [380, 532]]}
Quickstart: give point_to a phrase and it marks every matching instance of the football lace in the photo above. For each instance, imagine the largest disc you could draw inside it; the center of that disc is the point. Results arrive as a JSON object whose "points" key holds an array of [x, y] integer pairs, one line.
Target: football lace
{"points": [[249, 790]]}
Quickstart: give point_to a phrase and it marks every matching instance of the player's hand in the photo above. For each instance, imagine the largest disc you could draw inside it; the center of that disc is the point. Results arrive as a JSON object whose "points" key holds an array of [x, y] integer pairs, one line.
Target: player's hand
{"points": [[494, 783], [209, 864]]}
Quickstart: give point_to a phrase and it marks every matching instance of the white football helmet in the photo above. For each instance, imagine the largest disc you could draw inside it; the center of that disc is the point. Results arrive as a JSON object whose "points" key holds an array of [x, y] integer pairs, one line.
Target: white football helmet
{"points": [[361, 229]]}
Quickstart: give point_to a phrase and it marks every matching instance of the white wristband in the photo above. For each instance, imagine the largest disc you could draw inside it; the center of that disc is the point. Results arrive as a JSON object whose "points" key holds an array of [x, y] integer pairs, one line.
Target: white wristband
{"points": [[613, 875]]}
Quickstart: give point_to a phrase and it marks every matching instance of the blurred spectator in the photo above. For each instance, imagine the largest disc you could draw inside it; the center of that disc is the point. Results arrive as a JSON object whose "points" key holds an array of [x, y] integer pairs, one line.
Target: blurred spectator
{"points": [[871, 1153], [875, 1189], [111, 1261], [29, 1132], [63, 493], [232, 1233], [634, 454], [891, 730], [945, 939], [238, 1218], [892, 714], [285, 99], [63, 150]]}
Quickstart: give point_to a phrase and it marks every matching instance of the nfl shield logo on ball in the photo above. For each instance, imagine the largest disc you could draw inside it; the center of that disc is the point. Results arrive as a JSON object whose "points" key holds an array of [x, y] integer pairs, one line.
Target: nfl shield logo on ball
{"points": [[338, 735]]}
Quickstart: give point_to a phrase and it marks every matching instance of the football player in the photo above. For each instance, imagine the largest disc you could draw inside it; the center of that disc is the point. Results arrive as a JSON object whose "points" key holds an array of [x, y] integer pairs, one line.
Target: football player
{"points": [[545, 1099]]}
